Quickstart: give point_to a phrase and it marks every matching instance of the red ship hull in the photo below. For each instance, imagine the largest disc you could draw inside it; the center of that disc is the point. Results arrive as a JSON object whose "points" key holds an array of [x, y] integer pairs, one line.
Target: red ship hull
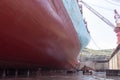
{"points": [[37, 33]]}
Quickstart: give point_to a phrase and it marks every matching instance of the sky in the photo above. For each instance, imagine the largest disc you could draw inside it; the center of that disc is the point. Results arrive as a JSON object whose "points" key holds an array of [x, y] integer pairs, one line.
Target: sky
{"points": [[102, 35]]}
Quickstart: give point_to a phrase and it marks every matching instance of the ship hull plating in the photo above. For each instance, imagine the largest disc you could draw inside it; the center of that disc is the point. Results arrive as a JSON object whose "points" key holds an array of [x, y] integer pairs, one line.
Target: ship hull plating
{"points": [[37, 33]]}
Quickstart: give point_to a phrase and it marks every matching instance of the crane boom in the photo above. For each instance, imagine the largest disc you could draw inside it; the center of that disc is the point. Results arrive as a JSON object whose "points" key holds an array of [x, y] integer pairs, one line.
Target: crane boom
{"points": [[117, 16], [98, 15]]}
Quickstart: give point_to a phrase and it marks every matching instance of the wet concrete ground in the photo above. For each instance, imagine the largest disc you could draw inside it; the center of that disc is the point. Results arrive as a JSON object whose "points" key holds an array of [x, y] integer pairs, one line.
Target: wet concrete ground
{"points": [[67, 76]]}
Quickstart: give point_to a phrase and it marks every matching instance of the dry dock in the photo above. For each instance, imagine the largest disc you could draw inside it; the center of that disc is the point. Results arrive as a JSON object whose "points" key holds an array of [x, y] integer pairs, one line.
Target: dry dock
{"points": [[66, 76]]}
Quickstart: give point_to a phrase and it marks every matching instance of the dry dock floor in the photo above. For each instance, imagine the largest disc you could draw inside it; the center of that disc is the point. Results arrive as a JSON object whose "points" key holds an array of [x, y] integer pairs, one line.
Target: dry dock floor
{"points": [[67, 76]]}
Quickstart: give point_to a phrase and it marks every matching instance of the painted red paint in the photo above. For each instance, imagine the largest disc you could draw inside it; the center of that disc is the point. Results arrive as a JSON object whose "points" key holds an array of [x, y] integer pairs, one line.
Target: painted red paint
{"points": [[37, 32]]}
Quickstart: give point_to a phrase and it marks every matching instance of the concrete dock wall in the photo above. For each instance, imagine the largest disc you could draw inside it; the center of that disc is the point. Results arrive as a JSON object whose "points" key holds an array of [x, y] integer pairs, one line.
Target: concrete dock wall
{"points": [[114, 62]]}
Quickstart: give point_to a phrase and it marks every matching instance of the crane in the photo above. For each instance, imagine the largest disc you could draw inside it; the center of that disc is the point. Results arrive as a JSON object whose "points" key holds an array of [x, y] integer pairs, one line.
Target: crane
{"points": [[117, 18], [98, 15]]}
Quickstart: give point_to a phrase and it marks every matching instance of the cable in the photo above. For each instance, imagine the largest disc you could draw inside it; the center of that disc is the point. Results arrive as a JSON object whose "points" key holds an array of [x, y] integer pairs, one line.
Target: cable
{"points": [[102, 7], [112, 3], [98, 15], [95, 43]]}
